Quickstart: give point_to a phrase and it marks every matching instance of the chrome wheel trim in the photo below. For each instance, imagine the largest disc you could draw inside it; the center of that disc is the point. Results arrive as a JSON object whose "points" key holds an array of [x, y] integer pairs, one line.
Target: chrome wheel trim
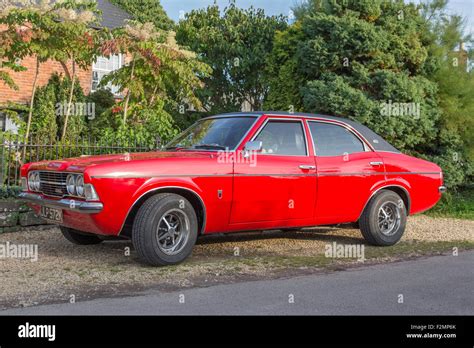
{"points": [[389, 218], [173, 231]]}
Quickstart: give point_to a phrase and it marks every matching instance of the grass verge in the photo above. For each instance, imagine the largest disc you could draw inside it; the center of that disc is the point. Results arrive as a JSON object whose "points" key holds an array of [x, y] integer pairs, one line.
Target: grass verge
{"points": [[400, 251], [458, 205]]}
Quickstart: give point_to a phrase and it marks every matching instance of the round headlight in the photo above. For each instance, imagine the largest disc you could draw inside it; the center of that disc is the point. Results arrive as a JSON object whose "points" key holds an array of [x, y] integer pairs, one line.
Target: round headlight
{"points": [[37, 181], [71, 184], [31, 181], [80, 186]]}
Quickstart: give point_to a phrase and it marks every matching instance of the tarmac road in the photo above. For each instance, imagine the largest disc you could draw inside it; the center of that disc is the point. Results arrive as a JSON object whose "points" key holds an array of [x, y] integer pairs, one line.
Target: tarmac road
{"points": [[440, 285]]}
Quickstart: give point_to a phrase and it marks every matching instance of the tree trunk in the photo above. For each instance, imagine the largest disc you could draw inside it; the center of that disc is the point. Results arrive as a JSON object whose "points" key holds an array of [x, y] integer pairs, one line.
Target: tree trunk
{"points": [[153, 96], [71, 94], [127, 98], [30, 111]]}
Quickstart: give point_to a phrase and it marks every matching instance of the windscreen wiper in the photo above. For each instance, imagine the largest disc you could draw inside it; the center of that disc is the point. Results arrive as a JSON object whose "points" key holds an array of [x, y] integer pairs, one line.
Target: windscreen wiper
{"points": [[176, 147], [209, 146]]}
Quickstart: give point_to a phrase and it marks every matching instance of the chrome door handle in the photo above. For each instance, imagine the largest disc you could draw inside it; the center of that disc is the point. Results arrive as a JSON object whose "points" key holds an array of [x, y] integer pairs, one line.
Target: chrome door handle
{"points": [[376, 163], [305, 167]]}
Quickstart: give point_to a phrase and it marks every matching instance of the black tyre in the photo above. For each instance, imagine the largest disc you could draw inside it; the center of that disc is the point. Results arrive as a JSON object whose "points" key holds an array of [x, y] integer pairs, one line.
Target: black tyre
{"points": [[165, 229], [384, 219], [80, 238]]}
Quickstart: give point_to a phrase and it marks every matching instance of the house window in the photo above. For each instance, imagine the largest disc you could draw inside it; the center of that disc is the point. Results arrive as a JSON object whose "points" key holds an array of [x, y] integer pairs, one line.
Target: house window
{"points": [[103, 66]]}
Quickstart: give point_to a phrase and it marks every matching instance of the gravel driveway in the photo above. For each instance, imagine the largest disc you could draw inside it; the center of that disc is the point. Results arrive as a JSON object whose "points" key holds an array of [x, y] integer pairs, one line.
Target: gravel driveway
{"points": [[63, 269]]}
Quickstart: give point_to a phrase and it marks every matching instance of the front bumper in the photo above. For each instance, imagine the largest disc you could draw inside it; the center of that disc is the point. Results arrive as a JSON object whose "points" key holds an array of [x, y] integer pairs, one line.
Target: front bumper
{"points": [[75, 205]]}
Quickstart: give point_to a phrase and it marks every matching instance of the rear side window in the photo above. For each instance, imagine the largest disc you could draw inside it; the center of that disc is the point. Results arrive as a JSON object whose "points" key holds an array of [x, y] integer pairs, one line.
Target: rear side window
{"points": [[333, 140], [283, 138]]}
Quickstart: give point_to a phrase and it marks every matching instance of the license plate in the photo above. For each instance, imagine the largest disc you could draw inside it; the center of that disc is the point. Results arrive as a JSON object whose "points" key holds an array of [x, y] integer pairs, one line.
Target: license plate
{"points": [[51, 214]]}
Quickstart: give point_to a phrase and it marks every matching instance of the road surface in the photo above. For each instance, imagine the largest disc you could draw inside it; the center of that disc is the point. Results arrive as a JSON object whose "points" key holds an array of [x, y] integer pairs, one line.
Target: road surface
{"points": [[436, 285]]}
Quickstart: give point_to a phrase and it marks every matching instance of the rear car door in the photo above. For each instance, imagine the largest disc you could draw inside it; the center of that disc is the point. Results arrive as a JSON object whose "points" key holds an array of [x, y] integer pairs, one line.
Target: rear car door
{"points": [[281, 184], [347, 170]]}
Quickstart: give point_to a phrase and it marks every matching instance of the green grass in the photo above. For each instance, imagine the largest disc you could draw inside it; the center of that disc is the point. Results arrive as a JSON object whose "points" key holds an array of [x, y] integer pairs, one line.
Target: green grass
{"points": [[455, 205], [399, 251]]}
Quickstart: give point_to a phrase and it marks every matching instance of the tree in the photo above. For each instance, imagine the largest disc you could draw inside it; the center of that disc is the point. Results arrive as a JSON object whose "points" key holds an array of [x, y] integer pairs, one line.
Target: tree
{"points": [[27, 28], [454, 148], [7, 63], [160, 74], [354, 58], [235, 44], [77, 40], [147, 11]]}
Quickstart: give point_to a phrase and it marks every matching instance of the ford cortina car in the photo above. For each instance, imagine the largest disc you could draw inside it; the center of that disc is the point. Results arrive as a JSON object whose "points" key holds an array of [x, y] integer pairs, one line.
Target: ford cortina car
{"points": [[236, 172]]}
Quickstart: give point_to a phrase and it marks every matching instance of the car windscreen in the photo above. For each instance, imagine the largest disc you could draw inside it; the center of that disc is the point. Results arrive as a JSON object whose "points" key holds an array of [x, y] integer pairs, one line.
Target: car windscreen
{"points": [[214, 134]]}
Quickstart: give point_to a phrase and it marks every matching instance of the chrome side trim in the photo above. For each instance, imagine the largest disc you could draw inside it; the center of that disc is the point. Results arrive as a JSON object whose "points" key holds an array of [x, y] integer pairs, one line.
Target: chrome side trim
{"points": [[133, 176], [67, 204], [419, 173], [161, 188], [386, 187], [260, 174], [378, 173]]}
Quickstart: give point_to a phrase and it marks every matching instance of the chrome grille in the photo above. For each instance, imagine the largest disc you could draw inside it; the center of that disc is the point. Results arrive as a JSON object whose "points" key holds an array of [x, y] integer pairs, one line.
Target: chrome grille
{"points": [[53, 183]]}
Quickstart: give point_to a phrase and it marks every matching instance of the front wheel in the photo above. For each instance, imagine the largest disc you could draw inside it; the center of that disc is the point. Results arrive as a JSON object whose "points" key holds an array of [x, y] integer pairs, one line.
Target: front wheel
{"points": [[384, 219], [165, 229]]}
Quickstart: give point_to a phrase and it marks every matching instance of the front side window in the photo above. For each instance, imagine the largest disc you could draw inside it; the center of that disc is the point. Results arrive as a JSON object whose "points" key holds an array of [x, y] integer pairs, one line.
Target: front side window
{"points": [[284, 138], [334, 140], [103, 66], [213, 134]]}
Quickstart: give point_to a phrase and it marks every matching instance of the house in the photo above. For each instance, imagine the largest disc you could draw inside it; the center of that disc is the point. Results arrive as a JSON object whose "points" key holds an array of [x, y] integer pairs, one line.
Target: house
{"points": [[112, 17]]}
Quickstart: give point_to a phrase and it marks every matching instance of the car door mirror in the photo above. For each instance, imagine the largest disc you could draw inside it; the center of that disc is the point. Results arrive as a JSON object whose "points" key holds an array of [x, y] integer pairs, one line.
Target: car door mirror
{"points": [[252, 146]]}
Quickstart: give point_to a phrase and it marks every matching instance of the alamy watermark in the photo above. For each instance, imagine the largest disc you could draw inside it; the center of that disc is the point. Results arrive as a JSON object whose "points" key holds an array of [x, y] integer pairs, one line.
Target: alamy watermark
{"points": [[19, 251], [226, 156], [391, 108], [76, 109], [349, 251], [28, 330]]}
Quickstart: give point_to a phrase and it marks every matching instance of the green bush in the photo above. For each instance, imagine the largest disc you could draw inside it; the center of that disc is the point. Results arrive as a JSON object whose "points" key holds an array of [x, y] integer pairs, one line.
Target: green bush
{"points": [[48, 120], [456, 204], [104, 101], [145, 125], [9, 192]]}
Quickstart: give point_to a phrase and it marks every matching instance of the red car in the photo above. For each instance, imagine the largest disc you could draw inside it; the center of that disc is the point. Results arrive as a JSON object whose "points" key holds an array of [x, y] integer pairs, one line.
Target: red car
{"points": [[236, 172]]}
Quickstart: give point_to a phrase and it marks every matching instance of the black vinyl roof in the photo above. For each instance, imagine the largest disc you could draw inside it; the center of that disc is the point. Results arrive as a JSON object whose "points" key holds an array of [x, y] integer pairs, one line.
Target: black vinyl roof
{"points": [[377, 142], [112, 15]]}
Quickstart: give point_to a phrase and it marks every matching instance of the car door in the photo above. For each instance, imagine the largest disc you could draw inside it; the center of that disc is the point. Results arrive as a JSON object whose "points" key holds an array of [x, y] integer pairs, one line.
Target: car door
{"points": [[281, 184], [347, 170]]}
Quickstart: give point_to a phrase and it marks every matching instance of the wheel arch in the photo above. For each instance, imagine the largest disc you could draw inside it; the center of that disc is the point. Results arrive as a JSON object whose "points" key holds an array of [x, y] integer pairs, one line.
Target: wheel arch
{"points": [[398, 189], [192, 196]]}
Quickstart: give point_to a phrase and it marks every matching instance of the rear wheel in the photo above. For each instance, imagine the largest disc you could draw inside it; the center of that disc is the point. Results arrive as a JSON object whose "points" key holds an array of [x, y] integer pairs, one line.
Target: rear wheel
{"points": [[384, 219], [79, 238], [165, 229]]}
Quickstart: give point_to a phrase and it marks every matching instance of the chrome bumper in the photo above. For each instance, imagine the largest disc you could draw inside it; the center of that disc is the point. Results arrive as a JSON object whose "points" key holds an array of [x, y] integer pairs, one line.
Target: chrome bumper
{"points": [[67, 204], [442, 189]]}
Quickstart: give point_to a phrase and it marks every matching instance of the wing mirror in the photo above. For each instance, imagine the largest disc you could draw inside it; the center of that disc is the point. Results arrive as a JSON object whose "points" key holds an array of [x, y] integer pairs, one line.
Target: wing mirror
{"points": [[252, 146]]}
